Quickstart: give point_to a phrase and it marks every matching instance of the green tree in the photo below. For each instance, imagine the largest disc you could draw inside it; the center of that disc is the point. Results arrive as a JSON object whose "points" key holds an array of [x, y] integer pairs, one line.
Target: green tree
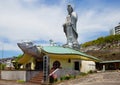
{"points": [[2, 66], [15, 62]]}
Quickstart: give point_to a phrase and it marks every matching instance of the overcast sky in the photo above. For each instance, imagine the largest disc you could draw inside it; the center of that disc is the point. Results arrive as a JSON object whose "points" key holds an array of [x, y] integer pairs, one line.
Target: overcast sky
{"points": [[42, 20]]}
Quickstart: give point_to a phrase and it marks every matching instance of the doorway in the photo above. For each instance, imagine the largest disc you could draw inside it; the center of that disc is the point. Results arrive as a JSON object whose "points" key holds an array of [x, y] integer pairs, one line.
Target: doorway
{"points": [[76, 65], [39, 65]]}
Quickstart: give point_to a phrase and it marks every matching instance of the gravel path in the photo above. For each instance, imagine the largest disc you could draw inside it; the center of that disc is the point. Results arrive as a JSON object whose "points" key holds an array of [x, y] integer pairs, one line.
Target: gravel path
{"points": [[106, 78]]}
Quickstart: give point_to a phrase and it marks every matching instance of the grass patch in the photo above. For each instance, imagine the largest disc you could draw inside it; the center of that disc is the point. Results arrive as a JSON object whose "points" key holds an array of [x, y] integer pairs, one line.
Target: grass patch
{"points": [[20, 81]]}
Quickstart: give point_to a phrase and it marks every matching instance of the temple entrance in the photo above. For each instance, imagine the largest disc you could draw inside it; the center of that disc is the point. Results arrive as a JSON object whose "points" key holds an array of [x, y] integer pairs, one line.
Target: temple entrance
{"points": [[76, 65], [39, 65]]}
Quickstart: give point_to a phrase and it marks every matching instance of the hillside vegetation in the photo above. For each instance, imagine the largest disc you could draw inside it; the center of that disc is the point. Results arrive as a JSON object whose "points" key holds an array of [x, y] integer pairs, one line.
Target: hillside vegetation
{"points": [[105, 48], [103, 40]]}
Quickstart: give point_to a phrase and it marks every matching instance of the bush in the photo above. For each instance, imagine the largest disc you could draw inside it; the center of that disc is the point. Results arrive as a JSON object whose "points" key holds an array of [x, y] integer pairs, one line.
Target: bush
{"points": [[16, 65], [89, 72], [83, 74], [62, 78], [72, 76], [67, 77], [20, 81], [2, 66], [53, 79]]}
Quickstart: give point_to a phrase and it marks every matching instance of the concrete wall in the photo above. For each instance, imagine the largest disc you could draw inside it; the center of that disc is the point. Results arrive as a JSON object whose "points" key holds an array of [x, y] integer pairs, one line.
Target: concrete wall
{"points": [[13, 75], [18, 75], [87, 66]]}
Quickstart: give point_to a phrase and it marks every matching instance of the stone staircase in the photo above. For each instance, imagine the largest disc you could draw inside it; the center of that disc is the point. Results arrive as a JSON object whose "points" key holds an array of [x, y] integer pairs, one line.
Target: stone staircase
{"points": [[38, 78]]}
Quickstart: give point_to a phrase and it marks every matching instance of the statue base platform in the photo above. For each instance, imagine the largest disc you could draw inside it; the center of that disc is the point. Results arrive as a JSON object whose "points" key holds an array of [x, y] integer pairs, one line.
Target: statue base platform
{"points": [[73, 46]]}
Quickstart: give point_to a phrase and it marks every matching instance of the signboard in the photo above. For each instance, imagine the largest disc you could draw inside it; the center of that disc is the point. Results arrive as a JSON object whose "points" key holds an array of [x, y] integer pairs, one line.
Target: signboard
{"points": [[46, 68]]}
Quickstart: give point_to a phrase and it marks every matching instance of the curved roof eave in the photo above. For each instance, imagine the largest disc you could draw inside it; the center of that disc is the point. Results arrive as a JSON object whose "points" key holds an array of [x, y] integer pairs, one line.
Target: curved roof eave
{"points": [[66, 51]]}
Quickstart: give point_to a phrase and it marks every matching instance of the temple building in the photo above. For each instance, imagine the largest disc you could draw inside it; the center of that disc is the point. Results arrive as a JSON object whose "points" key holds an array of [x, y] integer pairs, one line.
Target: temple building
{"points": [[59, 60]]}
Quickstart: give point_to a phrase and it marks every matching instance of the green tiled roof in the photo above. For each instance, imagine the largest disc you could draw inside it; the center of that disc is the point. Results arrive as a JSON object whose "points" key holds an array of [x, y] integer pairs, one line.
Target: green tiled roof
{"points": [[64, 51]]}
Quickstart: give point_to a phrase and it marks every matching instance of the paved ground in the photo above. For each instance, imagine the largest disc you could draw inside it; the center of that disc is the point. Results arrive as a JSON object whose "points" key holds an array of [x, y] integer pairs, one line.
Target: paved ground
{"points": [[107, 78]]}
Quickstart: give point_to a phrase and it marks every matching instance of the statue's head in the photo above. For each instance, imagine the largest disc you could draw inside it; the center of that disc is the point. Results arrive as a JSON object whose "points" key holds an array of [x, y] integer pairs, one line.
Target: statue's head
{"points": [[70, 9]]}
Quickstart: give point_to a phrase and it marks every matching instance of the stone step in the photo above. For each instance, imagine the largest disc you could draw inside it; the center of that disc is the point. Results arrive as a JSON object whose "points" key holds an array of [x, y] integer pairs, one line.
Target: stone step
{"points": [[37, 79]]}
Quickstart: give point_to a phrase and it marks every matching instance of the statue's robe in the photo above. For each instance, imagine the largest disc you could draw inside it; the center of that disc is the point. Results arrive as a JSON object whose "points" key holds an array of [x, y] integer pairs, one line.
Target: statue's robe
{"points": [[70, 28]]}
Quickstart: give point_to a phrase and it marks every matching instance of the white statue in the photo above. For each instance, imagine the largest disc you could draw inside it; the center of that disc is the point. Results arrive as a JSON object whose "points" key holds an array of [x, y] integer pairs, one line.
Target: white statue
{"points": [[70, 28]]}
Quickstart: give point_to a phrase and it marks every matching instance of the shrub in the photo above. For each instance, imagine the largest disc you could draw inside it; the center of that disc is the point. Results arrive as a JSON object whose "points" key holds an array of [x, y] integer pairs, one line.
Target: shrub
{"points": [[67, 77], [2, 66], [83, 74], [72, 76], [53, 78], [62, 78], [20, 81], [90, 72]]}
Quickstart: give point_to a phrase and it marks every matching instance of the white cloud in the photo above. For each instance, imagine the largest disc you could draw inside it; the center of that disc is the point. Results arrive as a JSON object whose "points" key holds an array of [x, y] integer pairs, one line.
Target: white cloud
{"points": [[41, 23], [19, 22], [92, 21]]}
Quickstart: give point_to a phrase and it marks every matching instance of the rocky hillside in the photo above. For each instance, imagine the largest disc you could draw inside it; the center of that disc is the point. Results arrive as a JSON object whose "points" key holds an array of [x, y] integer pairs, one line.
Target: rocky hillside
{"points": [[105, 48]]}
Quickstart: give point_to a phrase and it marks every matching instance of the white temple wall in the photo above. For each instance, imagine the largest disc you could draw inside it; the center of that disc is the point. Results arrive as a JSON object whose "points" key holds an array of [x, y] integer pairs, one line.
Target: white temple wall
{"points": [[86, 66]]}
